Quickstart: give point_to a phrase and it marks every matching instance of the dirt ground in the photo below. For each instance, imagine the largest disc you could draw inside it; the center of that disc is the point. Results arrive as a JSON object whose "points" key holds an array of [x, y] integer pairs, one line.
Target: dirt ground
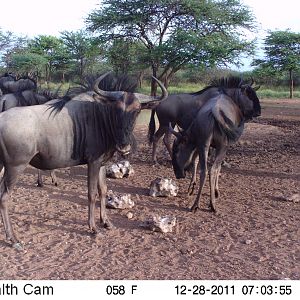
{"points": [[255, 236]]}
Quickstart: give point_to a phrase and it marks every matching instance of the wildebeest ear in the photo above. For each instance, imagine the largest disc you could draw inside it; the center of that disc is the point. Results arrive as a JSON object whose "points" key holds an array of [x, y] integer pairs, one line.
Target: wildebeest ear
{"points": [[98, 98], [256, 88]]}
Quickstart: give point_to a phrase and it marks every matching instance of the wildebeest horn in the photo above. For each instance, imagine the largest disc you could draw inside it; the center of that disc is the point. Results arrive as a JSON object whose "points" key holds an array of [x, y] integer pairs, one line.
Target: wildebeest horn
{"points": [[110, 95], [241, 83], [252, 81], [176, 133], [163, 89], [145, 99]]}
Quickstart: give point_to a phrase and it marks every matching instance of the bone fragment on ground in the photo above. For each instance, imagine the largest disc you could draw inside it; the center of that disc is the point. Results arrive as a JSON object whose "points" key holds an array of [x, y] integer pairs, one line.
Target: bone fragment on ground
{"points": [[294, 198], [120, 201], [119, 170], [163, 224], [163, 187]]}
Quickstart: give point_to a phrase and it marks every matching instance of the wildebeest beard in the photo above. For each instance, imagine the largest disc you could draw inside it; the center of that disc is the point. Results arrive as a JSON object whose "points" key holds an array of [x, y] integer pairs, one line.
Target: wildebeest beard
{"points": [[99, 128]]}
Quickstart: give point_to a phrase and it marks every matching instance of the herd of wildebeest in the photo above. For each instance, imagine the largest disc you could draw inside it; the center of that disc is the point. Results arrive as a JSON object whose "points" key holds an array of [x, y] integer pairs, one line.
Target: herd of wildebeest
{"points": [[89, 124]]}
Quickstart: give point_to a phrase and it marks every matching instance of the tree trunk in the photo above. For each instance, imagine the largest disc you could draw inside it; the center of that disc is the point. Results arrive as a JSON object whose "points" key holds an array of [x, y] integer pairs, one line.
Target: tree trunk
{"points": [[140, 78], [153, 82], [291, 84]]}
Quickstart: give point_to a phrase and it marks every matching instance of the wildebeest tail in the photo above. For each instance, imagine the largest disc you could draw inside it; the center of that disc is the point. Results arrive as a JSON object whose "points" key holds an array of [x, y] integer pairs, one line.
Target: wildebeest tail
{"points": [[227, 127], [151, 127]]}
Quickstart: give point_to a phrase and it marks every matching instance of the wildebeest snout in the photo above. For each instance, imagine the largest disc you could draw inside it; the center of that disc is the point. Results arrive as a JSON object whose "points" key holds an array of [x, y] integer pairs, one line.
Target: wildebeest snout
{"points": [[180, 174], [123, 149]]}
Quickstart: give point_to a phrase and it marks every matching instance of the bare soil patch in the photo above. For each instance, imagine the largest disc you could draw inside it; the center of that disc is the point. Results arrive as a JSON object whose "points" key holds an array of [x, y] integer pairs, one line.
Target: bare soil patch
{"points": [[255, 236]]}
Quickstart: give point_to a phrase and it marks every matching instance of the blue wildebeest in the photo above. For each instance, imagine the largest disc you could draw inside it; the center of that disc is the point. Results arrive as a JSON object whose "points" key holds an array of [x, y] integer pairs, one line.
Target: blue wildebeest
{"points": [[87, 129], [177, 109], [4, 78], [15, 86], [28, 98], [218, 124], [25, 98]]}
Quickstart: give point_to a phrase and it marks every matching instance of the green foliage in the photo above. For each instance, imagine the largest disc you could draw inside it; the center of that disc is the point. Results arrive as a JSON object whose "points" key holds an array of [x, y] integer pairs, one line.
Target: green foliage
{"points": [[6, 39], [127, 56], [83, 50], [175, 33], [282, 54], [283, 50], [26, 62], [53, 51]]}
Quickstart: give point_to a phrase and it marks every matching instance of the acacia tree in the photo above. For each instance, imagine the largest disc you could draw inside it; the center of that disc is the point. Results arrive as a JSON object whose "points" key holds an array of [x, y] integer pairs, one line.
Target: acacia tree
{"points": [[282, 54], [52, 49], [127, 56], [27, 63], [175, 33], [82, 48], [10, 44]]}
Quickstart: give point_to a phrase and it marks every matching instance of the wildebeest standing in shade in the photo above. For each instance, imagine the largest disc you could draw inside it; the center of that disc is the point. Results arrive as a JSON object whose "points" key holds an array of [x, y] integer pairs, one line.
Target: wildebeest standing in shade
{"points": [[178, 109], [22, 84], [218, 124], [28, 98], [88, 129]]}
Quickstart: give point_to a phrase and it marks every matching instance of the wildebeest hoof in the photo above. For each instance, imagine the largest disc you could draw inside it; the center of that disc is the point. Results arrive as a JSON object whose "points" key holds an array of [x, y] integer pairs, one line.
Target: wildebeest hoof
{"points": [[190, 193], [194, 208], [18, 246], [94, 230], [38, 184], [108, 225], [213, 209]]}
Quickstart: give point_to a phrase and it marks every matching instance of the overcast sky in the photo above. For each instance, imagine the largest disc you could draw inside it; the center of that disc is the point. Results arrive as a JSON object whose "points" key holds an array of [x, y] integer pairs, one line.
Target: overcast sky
{"points": [[44, 17], [35, 17], [50, 17]]}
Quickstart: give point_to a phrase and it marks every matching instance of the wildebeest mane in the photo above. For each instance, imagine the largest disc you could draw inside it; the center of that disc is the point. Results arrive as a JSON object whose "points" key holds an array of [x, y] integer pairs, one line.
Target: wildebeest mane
{"points": [[109, 83], [98, 127], [222, 83], [57, 106]]}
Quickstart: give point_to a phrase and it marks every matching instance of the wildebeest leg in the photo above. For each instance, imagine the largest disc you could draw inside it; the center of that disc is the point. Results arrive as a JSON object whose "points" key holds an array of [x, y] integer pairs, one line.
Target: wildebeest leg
{"points": [[167, 142], [53, 177], [102, 191], [194, 175], [214, 173], [93, 174], [8, 180], [157, 136], [217, 192], [39, 179], [203, 153]]}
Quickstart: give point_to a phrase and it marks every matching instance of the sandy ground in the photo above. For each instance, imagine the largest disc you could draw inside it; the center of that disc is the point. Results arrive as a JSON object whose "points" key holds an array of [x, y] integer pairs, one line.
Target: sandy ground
{"points": [[255, 236]]}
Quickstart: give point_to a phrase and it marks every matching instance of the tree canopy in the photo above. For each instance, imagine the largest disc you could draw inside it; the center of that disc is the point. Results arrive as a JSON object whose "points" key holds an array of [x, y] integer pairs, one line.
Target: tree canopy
{"points": [[175, 33], [282, 54]]}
